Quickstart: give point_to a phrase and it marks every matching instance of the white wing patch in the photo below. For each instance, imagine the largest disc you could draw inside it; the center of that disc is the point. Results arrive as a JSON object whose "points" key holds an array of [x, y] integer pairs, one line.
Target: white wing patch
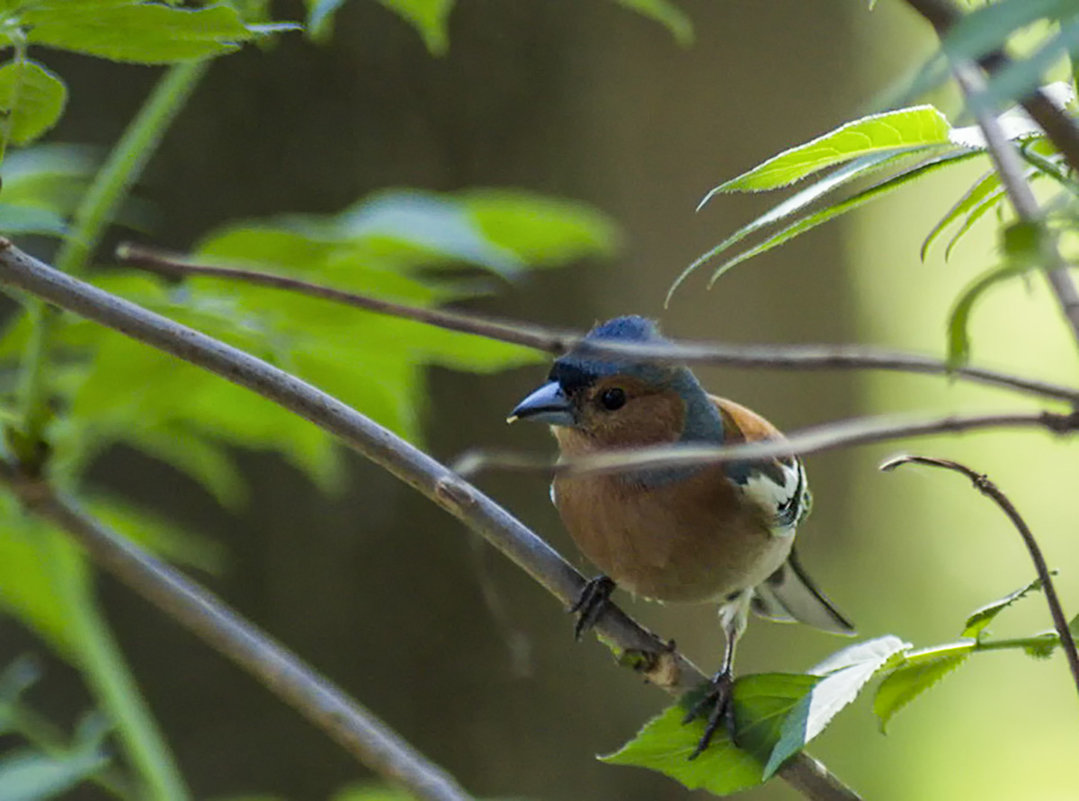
{"points": [[786, 503], [554, 497]]}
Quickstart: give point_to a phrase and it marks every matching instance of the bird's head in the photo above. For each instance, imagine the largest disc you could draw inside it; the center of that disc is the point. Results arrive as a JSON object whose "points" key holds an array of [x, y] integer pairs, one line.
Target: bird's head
{"points": [[615, 401]]}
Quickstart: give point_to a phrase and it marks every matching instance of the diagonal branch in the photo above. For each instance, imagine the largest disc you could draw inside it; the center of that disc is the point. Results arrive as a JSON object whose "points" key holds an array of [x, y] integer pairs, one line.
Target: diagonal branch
{"points": [[358, 730], [815, 439], [557, 342], [991, 490], [664, 666], [1062, 132], [943, 15]]}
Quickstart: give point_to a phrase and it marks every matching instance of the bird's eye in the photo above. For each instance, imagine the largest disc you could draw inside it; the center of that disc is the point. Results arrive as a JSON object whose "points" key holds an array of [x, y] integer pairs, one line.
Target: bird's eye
{"points": [[613, 398]]}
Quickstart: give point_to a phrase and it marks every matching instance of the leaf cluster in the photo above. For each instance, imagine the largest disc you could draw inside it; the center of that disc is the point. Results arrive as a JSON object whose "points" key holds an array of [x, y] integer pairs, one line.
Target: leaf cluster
{"points": [[777, 714]]}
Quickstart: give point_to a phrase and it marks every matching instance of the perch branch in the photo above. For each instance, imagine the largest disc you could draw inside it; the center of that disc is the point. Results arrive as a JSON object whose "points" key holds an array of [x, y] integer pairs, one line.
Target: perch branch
{"points": [[815, 439], [668, 669], [362, 734], [988, 488], [555, 342]]}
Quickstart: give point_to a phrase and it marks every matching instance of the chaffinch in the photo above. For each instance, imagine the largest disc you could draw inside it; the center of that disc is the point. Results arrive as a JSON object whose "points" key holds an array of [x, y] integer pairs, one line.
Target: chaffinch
{"points": [[711, 533]]}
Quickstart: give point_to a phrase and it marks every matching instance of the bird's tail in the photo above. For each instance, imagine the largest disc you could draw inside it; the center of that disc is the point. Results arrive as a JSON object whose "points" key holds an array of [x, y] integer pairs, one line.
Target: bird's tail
{"points": [[789, 595]]}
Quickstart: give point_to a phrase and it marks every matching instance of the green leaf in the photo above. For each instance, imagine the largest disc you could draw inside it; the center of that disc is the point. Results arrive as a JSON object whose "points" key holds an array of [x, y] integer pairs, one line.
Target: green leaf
{"points": [[1023, 75], [918, 671], [666, 14], [1023, 246], [540, 231], [370, 792], [320, 14], [983, 616], [28, 588], [858, 168], [986, 29], [985, 187], [989, 202], [811, 221], [1042, 646], [30, 776], [429, 17], [157, 534], [904, 129], [664, 745], [146, 33], [844, 673], [16, 220], [33, 99]]}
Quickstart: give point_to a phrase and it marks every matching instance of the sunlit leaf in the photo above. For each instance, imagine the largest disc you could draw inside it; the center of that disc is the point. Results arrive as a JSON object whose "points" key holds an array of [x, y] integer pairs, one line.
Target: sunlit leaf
{"points": [[918, 671], [983, 616], [811, 221], [145, 33], [844, 674], [858, 168], [32, 98], [984, 187], [915, 127], [429, 17], [666, 14]]}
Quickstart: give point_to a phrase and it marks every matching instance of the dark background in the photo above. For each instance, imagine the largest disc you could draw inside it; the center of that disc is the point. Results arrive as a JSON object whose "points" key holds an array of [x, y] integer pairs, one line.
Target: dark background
{"points": [[384, 592]]}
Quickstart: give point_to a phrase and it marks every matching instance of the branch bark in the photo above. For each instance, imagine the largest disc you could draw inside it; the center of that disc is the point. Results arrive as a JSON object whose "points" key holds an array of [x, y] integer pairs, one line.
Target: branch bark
{"points": [[357, 729], [667, 668], [816, 439], [557, 342]]}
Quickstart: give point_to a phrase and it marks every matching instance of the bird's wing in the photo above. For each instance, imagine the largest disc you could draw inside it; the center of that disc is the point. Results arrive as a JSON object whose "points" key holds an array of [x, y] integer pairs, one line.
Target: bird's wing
{"points": [[789, 595], [778, 486]]}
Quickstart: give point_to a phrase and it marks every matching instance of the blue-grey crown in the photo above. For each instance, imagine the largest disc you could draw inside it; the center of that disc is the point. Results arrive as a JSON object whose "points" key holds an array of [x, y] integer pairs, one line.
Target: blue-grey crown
{"points": [[576, 370]]}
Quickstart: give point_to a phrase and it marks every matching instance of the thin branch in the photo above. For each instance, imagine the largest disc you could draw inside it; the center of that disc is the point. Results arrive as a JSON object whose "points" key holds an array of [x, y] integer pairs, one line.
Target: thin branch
{"points": [[358, 730], [1062, 132], [665, 666], [943, 15], [815, 439], [557, 342], [989, 489]]}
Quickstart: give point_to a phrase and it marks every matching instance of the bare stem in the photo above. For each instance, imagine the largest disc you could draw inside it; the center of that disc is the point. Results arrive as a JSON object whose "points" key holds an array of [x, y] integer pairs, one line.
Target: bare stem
{"points": [[1062, 132], [815, 439], [556, 342], [666, 667], [988, 488], [361, 733]]}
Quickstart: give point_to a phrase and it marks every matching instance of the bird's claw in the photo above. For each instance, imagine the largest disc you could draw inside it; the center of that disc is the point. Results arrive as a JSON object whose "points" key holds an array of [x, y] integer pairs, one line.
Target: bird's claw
{"points": [[595, 597], [718, 703]]}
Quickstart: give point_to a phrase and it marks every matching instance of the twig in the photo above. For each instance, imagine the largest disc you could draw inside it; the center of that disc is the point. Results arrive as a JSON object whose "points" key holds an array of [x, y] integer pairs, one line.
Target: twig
{"points": [[942, 15], [989, 489], [815, 439], [556, 342], [358, 730], [667, 668]]}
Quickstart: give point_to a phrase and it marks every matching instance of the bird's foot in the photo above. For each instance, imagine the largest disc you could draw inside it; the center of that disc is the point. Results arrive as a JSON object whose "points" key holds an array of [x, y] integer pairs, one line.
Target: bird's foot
{"points": [[718, 704], [594, 598]]}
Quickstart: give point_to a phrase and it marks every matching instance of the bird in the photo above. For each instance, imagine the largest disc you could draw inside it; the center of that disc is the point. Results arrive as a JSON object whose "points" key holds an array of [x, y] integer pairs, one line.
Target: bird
{"points": [[721, 533]]}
